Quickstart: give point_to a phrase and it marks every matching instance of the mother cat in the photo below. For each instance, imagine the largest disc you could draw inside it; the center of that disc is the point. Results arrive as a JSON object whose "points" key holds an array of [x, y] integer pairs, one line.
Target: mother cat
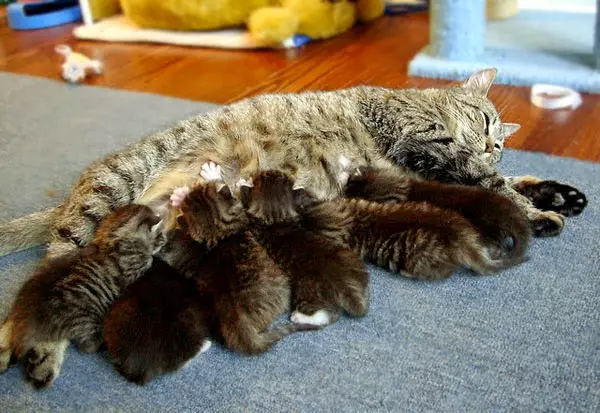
{"points": [[451, 135]]}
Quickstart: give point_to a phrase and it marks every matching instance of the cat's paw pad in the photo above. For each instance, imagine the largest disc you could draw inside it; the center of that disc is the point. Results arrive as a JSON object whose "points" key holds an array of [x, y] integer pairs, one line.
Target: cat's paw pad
{"points": [[211, 172], [319, 318], [179, 195], [557, 197], [547, 224], [243, 182], [42, 365], [206, 345]]}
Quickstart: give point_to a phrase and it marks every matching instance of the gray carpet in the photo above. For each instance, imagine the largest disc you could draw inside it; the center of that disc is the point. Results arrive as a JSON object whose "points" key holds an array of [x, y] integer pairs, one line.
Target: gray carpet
{"points": [[527, 339]]}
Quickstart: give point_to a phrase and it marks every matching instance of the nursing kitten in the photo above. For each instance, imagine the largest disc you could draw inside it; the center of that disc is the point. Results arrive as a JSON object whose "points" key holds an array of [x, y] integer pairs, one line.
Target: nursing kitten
{"points": [[244, 288], [157, 326], [504, 238], [68, 297], [325, 275]]}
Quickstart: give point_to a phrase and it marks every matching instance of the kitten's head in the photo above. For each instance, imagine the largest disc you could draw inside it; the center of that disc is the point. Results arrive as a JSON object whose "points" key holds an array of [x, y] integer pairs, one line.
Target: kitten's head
{"points": [[272, 197], [472, 118], [131, 224], [211, 213]]}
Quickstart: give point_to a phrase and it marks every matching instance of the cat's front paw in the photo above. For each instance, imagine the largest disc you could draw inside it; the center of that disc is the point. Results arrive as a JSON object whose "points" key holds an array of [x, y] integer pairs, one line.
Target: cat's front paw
{"points": [[89, 345], [179, 195], [554, 196], [211, 172], [547, 224]]}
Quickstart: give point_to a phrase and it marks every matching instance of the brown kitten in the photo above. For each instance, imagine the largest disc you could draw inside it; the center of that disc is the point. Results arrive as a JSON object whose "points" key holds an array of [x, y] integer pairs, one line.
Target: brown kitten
{"points": [[68, 297], [326, 276], [246, 290], [157, 325], [502, 226]]}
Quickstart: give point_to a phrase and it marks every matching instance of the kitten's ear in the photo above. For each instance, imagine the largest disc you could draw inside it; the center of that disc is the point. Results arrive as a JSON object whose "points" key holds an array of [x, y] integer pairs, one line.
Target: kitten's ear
{"points": [[480, 82], [225, 193], [245, 195], [509, 129], [302, 198]]}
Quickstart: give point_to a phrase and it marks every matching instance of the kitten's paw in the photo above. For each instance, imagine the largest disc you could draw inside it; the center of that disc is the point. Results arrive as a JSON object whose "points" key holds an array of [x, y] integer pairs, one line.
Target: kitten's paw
{"points": [[6, 352], [206, 345], [179, 195], [211, 172], [89, 345], [547, 224], [319, 318], [243, 182], [43, 363]]}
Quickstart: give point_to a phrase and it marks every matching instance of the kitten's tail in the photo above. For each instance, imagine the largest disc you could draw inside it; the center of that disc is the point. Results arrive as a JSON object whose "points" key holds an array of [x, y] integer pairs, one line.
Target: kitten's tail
{"points": [[26, 232], [250, 342], [477, 258]]}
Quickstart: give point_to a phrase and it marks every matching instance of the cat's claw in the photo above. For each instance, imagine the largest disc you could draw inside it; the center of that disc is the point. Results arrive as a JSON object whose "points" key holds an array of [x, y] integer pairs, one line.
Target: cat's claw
{"points": [[243, 182], [211, 172], [319, 318], [179, 195]]}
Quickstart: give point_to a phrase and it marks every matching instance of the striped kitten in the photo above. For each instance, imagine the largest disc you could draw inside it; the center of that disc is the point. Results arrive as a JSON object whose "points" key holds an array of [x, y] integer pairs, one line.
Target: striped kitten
{"points": [[325, 275], [500, 223], [68, 297]]}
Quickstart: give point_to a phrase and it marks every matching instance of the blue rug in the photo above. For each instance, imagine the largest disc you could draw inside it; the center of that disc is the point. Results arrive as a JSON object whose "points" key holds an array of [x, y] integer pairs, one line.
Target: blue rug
{"points": [[527, 339], [532, 47]]}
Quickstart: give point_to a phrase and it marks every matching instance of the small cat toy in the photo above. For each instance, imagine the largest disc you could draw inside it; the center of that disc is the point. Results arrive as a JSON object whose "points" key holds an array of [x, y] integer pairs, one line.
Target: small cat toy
{"points": [[77, 66]]}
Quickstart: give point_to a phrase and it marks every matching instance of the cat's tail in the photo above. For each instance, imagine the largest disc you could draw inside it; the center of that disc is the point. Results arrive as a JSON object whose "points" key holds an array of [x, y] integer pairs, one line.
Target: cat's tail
{"points": [[248, 341], [26, 232]]}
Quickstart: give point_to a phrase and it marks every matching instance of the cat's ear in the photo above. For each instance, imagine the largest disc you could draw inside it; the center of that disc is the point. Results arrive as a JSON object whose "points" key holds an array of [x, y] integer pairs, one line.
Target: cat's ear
{"points": [[480, 82], [509, 129], [225, 193]]}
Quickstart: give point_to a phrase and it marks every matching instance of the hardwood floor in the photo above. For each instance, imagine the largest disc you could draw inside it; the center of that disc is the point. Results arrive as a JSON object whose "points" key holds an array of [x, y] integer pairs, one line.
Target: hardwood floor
{"points": [[376, 54]]}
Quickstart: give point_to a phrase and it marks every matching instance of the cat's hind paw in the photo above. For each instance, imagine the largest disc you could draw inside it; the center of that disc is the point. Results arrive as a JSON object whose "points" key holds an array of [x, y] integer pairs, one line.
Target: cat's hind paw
{"points": [[43, 363], [319, 318], [211, 172], [179, 195]]}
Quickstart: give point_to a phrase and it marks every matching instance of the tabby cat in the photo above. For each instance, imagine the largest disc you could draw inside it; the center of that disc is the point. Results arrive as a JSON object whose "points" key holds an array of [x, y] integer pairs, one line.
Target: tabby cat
{"points": [[451, 135], [326, 276], [68, 297]]}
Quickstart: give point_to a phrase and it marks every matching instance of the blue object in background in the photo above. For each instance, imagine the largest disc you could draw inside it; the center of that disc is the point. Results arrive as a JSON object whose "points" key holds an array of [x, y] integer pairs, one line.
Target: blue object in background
{"points": [[46, 13]]}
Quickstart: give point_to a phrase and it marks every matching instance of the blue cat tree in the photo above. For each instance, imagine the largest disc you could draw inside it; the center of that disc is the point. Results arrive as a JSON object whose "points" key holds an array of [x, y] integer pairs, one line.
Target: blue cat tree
{"points": [[520, 47]]}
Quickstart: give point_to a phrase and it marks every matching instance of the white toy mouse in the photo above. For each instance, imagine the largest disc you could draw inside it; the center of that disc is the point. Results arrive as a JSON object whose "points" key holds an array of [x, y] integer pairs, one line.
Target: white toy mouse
{"points": [[76, 66]]}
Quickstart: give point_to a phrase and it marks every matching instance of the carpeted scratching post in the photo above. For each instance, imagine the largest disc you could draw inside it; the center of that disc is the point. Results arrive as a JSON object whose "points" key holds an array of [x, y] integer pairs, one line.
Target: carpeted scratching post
{"points": [[457, 28]]}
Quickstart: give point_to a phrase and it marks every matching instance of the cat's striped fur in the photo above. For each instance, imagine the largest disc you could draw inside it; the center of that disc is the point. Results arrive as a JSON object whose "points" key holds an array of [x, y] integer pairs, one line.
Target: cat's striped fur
{"points": [[451, 134], [68, 296]]}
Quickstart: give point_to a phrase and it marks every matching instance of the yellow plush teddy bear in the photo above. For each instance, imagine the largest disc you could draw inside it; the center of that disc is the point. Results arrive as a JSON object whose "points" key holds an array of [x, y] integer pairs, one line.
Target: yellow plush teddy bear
{"points": [[269, 21]]}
